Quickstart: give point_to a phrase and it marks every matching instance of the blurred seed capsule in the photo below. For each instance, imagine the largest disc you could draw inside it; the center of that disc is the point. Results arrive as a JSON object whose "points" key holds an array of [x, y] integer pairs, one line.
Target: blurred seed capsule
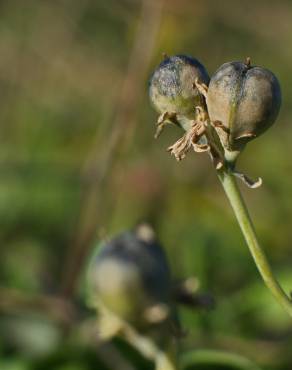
{"points": [[244, 101], [172, 91], [131, 277]]}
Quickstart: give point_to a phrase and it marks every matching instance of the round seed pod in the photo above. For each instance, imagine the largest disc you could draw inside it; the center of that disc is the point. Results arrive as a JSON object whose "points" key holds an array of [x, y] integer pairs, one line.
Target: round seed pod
{"points": [[245, 99], [171, 87], [131, 277]]}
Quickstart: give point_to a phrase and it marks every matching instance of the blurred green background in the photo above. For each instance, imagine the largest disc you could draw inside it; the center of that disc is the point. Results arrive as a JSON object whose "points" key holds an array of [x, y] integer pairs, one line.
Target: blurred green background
{"points": [[79, 162]]}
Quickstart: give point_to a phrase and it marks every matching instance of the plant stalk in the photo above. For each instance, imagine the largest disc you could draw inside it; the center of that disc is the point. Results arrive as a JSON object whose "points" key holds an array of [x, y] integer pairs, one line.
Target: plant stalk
{"points": [[164, 360], [238, 205]]}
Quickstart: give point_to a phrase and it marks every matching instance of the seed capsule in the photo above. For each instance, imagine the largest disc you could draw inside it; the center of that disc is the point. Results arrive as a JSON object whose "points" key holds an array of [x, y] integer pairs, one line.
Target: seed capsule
{"points": [[130, 275], [245, 102], [171, 87]]}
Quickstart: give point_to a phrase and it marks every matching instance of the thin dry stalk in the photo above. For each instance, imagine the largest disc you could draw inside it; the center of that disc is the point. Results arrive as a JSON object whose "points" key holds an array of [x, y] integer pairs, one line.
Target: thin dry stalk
{"points": [[98, 168], [15, 301]]}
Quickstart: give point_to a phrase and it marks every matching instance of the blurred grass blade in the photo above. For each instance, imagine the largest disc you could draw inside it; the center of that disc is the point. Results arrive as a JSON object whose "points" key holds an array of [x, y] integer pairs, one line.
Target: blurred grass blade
{"points": [[193, 359]]}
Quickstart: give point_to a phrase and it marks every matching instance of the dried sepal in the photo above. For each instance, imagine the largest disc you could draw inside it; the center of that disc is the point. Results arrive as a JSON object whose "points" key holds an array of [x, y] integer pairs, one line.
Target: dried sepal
{"points": [[189, 140], [163, 120], [157, 313], [201, 86], [253, 184]]}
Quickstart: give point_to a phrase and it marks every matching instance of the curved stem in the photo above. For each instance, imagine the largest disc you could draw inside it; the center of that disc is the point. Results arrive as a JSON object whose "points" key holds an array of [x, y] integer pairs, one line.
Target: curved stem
{"points": [[213, 357], [109, 325], [164, 360], [235, 198]]}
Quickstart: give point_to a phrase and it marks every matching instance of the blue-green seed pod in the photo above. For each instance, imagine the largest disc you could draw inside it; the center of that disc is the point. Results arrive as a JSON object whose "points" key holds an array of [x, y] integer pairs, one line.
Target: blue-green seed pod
{"points": [[245, 99], [171, 87], [130, 276]]}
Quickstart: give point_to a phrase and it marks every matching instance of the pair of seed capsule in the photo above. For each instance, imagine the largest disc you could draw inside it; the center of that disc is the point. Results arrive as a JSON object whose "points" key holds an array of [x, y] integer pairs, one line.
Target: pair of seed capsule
{"points": [[220, 115]]}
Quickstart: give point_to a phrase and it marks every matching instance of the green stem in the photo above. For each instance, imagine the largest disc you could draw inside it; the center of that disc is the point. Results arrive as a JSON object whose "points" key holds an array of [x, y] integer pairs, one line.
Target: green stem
{"points": [[237, 203], [110, 325], [164, 360], [213, 357]]}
